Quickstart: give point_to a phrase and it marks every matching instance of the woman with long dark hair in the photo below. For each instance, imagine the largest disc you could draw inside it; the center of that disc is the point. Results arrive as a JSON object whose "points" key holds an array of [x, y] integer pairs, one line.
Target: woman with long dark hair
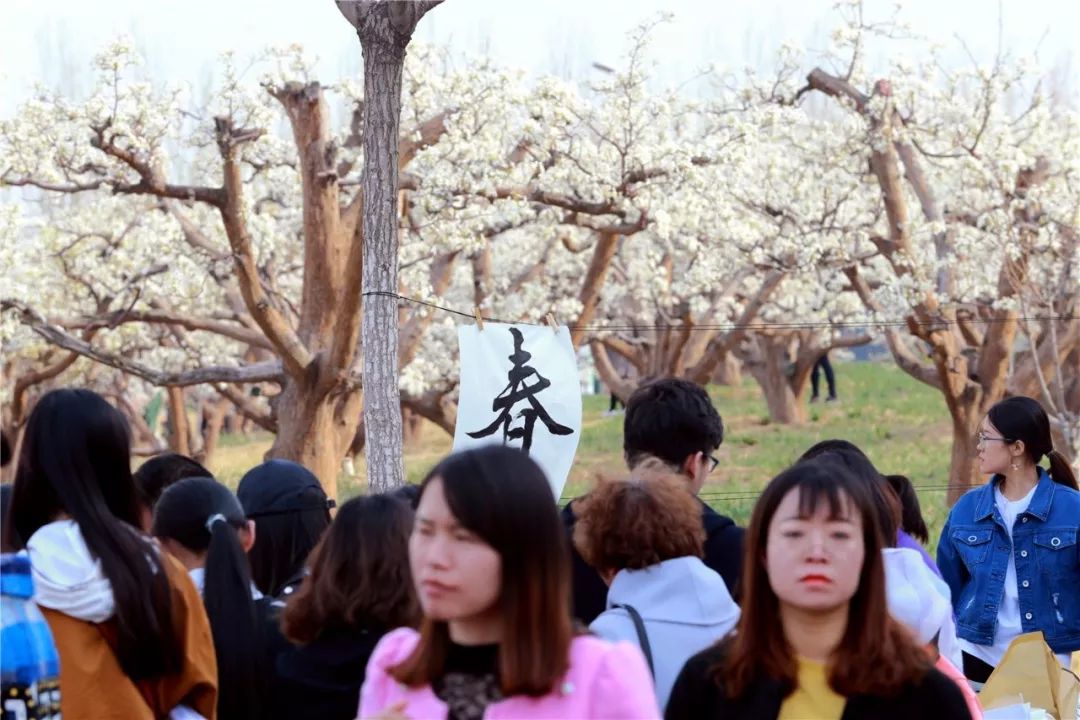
{"points": [[200, 522], [815, 638], [359, 588], [291, 512], [1009, 548], [130, 629], [490, 561]]}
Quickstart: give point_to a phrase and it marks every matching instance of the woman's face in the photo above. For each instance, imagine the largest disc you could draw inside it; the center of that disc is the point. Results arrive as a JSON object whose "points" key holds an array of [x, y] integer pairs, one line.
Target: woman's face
{"points": [[814, 563], [457, 575], [995, 454]]}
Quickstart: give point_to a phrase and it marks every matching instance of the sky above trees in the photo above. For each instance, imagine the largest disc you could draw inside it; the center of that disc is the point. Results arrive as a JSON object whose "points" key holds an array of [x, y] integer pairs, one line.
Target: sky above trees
{"points": [[181, 41]]}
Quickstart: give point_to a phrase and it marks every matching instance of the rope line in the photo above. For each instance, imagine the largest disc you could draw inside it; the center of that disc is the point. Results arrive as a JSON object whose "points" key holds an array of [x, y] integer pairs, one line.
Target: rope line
{"points": [[758, 325]]}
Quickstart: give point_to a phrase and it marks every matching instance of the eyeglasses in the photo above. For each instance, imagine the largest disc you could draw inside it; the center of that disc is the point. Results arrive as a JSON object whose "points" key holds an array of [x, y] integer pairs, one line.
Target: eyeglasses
{"points": [[713, 462], [983, 437]]}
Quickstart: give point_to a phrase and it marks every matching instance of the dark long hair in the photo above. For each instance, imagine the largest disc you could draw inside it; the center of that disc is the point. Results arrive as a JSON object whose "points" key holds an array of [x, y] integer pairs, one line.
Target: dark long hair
{"points": [[502, 496], [289, 520], [203, 515], [886, 501], [876, 656], [911, 519], [1022, 418], [75, 458], [359, 574]]}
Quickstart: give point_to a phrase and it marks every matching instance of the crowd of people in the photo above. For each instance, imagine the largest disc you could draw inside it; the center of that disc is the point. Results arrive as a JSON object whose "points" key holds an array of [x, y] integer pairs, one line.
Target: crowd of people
{"points": [[164, 594]]}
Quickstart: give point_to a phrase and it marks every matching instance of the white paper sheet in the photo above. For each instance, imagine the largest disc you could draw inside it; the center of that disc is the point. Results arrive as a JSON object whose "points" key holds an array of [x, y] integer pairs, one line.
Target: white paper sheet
{"points": [[519, 384]]}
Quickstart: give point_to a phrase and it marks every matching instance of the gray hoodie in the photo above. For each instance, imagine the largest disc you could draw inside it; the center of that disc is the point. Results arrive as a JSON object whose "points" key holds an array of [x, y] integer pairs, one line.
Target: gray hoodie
{"points": [[685, 606]]}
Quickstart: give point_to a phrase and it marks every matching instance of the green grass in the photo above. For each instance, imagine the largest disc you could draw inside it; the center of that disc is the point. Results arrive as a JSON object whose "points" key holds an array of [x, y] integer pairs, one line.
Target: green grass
{"points": [[901, 424]]}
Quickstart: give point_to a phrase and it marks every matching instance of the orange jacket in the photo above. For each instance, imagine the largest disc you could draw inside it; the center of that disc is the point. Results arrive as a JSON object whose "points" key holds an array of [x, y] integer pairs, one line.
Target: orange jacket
{"points": [[92, 685]]}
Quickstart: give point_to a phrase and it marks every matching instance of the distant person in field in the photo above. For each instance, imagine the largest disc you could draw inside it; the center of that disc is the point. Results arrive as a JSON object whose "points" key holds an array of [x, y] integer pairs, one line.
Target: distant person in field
{"points": [[643, 534], [823, 366], [1009, 549], [674, 421]]}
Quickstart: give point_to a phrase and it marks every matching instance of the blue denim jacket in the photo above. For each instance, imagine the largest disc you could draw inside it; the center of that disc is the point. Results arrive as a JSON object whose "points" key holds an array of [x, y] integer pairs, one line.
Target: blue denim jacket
{"points": [[973, 555]]}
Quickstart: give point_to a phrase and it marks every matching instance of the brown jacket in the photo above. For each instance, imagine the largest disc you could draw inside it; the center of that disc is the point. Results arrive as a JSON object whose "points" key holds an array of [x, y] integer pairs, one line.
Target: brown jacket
{"points": [[92, 685]]}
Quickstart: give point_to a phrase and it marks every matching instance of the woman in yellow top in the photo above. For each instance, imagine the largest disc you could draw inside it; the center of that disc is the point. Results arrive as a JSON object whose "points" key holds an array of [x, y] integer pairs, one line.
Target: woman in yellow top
{"points": [[815, 640]]}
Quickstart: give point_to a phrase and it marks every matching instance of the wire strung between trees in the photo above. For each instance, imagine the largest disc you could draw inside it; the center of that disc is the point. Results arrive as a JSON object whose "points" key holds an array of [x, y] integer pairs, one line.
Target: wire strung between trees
{"points": [[757, 325], [761, 325]]}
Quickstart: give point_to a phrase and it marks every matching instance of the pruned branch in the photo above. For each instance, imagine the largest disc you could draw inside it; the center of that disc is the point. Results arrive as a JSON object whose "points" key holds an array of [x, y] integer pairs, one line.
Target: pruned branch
{"points": [[247, 408], [256, 372], [219, 327]]}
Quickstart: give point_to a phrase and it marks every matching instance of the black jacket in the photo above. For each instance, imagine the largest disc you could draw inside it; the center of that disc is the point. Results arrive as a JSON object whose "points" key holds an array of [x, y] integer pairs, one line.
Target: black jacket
{"points": [[723, 553], [322, 679], [695, 695]]}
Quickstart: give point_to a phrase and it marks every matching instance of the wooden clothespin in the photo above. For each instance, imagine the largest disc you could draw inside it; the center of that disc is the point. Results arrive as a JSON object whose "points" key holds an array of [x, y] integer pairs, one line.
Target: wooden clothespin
{"points": [[479, 319], [550, 318]]}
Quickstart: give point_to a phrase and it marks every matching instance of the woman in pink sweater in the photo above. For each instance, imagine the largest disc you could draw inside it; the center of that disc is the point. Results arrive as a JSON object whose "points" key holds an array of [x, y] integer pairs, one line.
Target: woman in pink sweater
{"points": [[490, 563]]}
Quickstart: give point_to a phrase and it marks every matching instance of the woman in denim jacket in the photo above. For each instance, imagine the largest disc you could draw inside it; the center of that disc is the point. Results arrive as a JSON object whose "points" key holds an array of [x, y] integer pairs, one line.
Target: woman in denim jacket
{"points": [[1009, 550]]}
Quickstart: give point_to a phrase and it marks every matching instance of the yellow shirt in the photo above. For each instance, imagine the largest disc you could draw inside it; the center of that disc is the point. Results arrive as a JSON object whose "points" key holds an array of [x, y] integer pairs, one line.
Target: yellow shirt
{"points": [[813, 699]]}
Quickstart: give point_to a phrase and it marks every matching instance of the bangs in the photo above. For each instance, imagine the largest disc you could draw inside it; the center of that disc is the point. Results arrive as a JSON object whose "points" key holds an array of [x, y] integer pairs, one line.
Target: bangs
{"points": [[817, 488]]}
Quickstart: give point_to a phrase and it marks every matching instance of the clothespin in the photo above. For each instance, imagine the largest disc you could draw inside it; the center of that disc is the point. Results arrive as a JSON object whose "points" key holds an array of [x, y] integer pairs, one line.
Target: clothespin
{"points": [[479, 320], [551, 321]]}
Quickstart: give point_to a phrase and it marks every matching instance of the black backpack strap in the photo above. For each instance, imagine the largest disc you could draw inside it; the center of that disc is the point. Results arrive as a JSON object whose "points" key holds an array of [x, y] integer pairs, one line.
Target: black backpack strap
{"points": [[642, 636]]}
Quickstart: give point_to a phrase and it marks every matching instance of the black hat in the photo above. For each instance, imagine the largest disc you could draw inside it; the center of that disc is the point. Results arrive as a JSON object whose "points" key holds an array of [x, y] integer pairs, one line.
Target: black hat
{"points": [[281, 486]]}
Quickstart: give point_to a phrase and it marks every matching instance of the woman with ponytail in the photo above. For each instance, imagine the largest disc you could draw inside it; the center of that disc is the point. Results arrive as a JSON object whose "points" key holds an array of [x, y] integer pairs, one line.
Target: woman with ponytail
{"points": [[201, 523], [130, 630], [1009, 550]]}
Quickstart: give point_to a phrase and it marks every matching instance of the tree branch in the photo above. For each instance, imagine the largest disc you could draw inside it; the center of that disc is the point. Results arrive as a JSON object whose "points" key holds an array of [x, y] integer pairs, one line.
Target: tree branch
{"points": [[218, 327], [257, 372]]}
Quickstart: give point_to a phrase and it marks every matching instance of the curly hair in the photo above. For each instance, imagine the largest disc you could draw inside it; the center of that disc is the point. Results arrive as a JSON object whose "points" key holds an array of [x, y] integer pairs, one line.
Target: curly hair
{"points": [[638, 521]]}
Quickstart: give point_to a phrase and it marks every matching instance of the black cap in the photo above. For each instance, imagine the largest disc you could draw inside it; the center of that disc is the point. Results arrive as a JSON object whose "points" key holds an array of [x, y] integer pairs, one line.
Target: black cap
{"points": [[281, 486]]}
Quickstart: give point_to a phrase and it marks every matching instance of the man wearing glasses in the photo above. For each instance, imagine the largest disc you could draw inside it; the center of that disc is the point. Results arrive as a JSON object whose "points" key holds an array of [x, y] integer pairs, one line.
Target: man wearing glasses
{"points": [[673, 420]]}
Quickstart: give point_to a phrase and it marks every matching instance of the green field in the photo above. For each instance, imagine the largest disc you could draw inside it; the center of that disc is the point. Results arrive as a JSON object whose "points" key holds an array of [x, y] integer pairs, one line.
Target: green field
{"points": [[902, 425]]}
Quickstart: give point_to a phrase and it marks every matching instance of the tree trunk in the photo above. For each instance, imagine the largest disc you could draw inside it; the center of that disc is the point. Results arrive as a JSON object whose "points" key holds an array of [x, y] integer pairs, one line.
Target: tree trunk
{"points": [[729, 371], [385, 29], [178, 422], [316, 431], [214, 420], [963, 471], [784, 405], [781, 380]]}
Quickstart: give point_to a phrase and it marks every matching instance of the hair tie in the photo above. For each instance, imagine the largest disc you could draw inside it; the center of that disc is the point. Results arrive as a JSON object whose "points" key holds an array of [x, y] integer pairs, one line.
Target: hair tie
{"points": [[216, 517]]}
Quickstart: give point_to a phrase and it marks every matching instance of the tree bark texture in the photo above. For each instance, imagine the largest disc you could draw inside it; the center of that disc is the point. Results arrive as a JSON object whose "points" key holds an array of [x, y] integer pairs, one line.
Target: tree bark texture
{"points": [[385, 29]]}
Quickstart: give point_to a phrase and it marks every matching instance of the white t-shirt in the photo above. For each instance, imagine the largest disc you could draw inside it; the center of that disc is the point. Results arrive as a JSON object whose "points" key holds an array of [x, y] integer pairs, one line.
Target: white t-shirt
{"points": [[1008, 622]]}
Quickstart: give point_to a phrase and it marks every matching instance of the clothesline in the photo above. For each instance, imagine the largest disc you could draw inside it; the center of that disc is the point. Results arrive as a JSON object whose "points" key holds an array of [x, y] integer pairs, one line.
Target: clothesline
{"points": [[757, 325]]}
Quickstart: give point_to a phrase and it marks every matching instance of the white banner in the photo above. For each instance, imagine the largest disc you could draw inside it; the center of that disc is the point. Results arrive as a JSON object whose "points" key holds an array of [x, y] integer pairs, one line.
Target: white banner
{"points": [[519, 387]]}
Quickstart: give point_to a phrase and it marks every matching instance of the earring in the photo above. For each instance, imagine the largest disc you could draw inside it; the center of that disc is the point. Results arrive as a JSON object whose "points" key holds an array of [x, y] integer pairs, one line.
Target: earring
{"points": [[1014, 465]]}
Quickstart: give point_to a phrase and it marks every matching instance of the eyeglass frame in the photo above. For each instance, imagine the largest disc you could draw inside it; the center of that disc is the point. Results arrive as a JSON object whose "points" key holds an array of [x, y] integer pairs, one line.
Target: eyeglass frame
{"points": [[712, 459], [981, 437]]}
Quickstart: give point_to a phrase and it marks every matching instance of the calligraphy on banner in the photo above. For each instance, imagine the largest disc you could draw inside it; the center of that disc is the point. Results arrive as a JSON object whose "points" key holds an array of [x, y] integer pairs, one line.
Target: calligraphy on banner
{"points": [[519, 387]]}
